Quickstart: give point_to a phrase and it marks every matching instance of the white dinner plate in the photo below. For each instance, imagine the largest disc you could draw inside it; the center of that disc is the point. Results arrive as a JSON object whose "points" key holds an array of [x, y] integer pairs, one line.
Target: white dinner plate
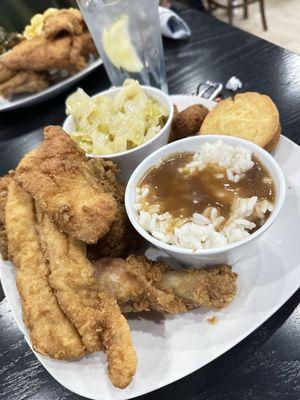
{"points": [[171, 347], [30, 99]]}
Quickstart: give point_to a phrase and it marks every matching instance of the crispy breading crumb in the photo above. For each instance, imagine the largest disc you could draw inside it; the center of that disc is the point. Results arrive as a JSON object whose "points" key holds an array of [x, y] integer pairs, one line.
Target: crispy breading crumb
{"points": [[212, 320]]}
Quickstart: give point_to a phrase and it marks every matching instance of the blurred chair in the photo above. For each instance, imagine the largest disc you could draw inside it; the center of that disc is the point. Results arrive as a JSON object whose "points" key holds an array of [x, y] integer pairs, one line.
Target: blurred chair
{"points": [[232, 4]]}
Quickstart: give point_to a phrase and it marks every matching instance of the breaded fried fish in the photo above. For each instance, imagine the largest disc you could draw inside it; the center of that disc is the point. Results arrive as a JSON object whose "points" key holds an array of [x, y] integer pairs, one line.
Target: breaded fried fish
{"points": [[24, 82], [63, 21], [65, 185], [140, 285], [50, 331], [4, 183], [122, 238], [92, 309], [42, 54]]}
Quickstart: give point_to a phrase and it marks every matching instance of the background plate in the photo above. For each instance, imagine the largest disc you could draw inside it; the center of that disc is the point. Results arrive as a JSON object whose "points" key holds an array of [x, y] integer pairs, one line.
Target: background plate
{"points": [[30, 99], [171, 347]]}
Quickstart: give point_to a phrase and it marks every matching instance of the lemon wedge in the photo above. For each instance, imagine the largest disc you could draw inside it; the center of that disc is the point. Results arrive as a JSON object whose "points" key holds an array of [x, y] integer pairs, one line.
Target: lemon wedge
{"points": [[118, 46]]}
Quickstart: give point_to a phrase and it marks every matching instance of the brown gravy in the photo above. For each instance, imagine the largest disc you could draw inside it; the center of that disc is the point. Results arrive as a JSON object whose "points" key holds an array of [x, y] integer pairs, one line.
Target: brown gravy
{"points": [[183, 194]]}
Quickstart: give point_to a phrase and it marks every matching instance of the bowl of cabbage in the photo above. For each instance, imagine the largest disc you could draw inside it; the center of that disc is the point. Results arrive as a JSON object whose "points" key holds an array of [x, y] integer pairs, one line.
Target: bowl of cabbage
{"points": [[124, 124]]}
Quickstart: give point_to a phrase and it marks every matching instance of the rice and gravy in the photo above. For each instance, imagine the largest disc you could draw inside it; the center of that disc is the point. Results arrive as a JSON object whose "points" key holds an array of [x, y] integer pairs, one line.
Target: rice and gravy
{"points": [[205, 199]]}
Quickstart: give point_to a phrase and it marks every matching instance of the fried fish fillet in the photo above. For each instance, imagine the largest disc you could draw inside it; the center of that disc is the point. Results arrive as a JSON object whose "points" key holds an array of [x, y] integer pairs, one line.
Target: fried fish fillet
{"points": [[24, 82], [87, 44], [65, 44], [63, 21], [140, 285], [93, 310], [65, 185], [42, 54], [122, 238], [50, 331], [5, 73], [4, 182], [70, 22]]}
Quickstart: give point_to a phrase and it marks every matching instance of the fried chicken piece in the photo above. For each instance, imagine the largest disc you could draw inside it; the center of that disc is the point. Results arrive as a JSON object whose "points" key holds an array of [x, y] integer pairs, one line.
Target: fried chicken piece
{"points": [[24, 82], [4, 182], [122, 238], [42, 54], [5, 73], [140, 285], [66, 187], [77, 60], [93, 311], [63, 21], [88, 45], [51, 332]]}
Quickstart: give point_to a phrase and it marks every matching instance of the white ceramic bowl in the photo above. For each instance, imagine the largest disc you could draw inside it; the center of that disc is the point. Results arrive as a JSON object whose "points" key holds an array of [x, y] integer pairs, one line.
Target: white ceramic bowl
{"points": [[230, 253], [130, 159]]}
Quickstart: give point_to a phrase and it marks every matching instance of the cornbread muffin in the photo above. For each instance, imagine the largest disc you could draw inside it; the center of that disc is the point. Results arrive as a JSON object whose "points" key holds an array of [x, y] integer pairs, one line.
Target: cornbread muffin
{"points": [[250, 116]]}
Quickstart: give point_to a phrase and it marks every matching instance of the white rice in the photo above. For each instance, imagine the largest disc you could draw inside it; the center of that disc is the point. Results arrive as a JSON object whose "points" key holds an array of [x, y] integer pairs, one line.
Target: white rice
{"points": [[234, 159], [209, 229]]}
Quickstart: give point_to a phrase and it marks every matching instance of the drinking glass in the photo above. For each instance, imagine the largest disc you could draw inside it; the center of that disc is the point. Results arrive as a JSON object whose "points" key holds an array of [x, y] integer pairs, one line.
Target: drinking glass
{"points": [[127, 35]]}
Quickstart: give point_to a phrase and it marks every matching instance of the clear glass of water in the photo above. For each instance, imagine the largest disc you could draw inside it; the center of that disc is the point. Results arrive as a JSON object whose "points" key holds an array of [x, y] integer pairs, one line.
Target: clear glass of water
{"points": [[127, 35]]}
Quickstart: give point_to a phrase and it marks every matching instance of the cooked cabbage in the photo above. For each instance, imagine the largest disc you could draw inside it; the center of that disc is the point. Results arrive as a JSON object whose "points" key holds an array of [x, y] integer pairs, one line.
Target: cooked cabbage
{"points": [[106, 126]]}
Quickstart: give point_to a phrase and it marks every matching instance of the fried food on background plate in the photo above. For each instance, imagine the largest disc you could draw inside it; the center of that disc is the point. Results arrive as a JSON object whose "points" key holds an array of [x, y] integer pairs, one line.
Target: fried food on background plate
{"points": [[63, 21], [50, 331], [24, 81], [5, 73], [87, 44], [66, 187], [42, 54], [64, 45], [251, 116], [140, 285], [4, 183], [92, 309], [55, 40]]}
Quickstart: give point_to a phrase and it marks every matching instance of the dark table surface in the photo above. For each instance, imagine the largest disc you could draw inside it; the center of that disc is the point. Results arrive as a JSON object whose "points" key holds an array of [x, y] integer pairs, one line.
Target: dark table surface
{"points": [[266, 365]]}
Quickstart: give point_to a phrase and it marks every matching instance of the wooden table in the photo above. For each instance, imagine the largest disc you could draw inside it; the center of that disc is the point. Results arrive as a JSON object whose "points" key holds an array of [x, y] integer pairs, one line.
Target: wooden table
{"points": [[265, 365]]}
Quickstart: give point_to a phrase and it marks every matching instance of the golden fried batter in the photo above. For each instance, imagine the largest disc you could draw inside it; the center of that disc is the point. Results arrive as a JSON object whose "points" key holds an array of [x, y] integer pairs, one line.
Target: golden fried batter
{"points": [[42, 54], [4, 182], [51, 332], [24, 82], [88, 45], [122, 237], [140, 285], [93, 311], [5, 73], [65, 185], [64, 43], [63, 21]]}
